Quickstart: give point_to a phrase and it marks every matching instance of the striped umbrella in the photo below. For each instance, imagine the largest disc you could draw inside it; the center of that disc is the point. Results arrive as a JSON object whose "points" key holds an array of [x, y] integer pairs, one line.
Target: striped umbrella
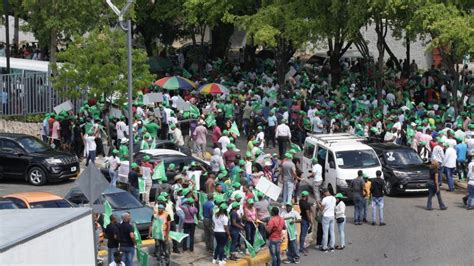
{"points": [[175, 82], [213, 88]]}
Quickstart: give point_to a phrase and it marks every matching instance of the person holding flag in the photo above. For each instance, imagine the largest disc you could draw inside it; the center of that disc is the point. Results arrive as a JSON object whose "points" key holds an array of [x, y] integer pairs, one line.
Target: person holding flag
{"points": [[189, 225], [291, 217], [221, 233], [159, 230], [147, 172]]}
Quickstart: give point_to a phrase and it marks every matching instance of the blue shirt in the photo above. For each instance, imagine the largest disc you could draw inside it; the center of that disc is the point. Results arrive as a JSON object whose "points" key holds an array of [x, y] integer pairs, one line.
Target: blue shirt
{"points": [[207, 209], [461, 151], [272, 120]]}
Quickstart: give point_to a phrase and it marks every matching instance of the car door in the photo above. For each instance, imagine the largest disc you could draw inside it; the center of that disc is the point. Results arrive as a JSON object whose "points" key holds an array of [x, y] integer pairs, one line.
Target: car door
{"points": [[14, 159]]}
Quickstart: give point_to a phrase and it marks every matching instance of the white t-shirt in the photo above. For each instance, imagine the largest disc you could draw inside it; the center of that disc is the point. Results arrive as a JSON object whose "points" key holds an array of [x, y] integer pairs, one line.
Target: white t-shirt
{"points": [[317, 172], [329, 203], [224, 140], [220, 222], [114, 163], [55, 131], [90, 143], [117, 264]]}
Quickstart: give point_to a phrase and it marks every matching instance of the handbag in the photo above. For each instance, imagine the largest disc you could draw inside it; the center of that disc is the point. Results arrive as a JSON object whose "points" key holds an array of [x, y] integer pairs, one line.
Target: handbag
{"points": [[340, 220]]}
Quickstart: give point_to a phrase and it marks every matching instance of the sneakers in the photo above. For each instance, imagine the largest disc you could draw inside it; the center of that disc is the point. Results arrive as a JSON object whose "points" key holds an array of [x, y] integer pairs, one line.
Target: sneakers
{"points": [[373, 223], [382, 224], [222, 262], [364, 220], [287, 262], [339, 247], [444, 208], [317, 246], [214, 261], [331, 249], [324, 250], [296, 261]]}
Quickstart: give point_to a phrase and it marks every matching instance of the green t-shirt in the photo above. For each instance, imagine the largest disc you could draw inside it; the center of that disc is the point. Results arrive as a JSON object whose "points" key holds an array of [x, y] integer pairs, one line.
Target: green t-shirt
{"points": [[229, 110], [152, 128]]}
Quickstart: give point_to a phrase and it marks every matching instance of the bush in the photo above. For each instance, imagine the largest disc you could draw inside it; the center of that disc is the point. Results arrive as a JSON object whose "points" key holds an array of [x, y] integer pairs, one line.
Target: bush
{"points": [[36, 118]]}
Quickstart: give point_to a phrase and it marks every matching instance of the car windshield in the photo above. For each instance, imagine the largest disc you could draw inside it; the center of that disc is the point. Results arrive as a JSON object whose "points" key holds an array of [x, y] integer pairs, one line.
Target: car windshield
{"points": [[403, 157], [356, 159], [122, 200], [32, 145], [50, 204], [7, 205]]}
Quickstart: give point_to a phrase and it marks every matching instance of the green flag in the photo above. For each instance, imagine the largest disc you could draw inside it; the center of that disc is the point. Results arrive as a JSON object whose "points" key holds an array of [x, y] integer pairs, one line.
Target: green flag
{"points": [[210, 120], [291, 229], [227, 248], [138, 237], [160, 173], [177, 236], [259, 241], [250, 248], [157, 229], [142, 257], [153, 144], [107, 213], [194, 110], [141, 185], [202, 199], [234, 129]]}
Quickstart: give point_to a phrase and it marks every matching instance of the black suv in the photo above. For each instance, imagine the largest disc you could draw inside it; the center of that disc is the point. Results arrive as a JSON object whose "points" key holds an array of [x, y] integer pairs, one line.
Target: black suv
{"points": [[26, 157], [403, 168]]}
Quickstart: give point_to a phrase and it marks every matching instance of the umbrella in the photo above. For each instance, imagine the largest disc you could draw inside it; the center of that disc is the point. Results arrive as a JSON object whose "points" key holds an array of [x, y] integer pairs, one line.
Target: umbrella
{"points": [[175, 82], [213, 88]]}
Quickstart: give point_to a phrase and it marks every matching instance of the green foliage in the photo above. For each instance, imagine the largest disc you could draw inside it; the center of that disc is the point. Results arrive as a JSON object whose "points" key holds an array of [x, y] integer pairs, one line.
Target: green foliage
{"points": [[36, 118], [98, 63]]}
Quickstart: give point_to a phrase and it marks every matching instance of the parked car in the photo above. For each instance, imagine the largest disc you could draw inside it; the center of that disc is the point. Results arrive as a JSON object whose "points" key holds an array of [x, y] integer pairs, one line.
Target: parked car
{"points": [[121, 201], [7, 204], [34, 200], [177, 158], [26, 157], [403, 169]]}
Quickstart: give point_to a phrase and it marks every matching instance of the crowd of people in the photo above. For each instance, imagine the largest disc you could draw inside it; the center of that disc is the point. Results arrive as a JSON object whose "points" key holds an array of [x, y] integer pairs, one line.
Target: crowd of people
{"points": [[416, 110]]}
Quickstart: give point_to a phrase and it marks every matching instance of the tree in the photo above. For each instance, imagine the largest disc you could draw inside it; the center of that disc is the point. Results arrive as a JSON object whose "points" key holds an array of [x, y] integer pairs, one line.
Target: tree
{"points": [[336, 22], [98, 64], [277, 25], [52, 21]]}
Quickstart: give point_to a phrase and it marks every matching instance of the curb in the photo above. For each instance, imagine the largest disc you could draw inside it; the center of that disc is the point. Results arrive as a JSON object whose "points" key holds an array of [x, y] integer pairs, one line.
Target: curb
{"points": [[145, 243], [460, 184]]}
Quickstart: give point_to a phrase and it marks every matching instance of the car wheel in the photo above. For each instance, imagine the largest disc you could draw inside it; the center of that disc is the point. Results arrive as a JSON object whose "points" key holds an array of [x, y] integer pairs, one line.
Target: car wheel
{"points": [[389, 190], [37, 176], [330, 189]]}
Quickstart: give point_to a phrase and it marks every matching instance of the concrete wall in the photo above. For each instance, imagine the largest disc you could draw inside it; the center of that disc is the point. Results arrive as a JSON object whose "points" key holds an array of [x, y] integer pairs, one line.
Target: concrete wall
{"points": [[32, 129]]}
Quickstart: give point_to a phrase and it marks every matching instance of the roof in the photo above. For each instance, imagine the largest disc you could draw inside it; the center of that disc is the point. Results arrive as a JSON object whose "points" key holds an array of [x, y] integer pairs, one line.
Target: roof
{"points": [[25, 64], [34, 196], [159, 152], [388, 146], [21, 225], [348, 146]]}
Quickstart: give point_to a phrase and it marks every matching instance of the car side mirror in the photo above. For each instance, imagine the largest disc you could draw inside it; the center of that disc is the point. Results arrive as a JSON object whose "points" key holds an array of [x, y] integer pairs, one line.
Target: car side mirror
{"points": [[332, 165], [18, 153]]}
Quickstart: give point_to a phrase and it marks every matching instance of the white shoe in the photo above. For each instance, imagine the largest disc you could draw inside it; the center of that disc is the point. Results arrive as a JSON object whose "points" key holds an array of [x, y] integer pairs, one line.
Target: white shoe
{"points": [[222, 262], [214, 261]]}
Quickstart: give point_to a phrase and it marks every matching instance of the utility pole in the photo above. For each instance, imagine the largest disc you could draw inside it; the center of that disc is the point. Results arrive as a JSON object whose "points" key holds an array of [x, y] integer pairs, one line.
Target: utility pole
{"points": [[128, 29], [6, 8]]}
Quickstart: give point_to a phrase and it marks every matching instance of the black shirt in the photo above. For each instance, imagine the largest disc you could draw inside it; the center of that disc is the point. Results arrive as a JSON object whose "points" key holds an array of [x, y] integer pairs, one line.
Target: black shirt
{"points": [[133, 179], [112, 234], [377, 187], [357, 186], [304, 207], [124, 235]]}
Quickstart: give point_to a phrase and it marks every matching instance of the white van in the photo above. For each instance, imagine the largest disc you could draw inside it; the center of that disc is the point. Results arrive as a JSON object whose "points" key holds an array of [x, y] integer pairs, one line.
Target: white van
{"points": [[341, 155]]}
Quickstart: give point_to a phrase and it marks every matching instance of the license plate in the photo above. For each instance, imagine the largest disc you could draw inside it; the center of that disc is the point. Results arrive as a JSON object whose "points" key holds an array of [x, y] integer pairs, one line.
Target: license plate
{"points": [[73, 169]]}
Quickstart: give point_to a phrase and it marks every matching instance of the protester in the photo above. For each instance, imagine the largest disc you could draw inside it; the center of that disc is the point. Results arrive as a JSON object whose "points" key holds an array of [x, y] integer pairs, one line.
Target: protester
{"points": [[189, 225], [291, 217], [328, 205], [366, 194], [288, 177], [357, 187], [207, 213], [162, 220], [127, 239], [433, 188], [377, 193], [306, 220], [221, 233], [274, 230], [317, 172], [449, 164], [114, 164], [112, 235], [340, 214], [235, 228], [133, 176]]}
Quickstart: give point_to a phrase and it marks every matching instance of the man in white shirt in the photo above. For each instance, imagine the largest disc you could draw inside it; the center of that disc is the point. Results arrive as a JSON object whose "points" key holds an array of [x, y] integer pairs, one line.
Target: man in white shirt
{"points": [[327, 206], [224, 141], [438, 156], [317, 124], [283, 136], [317, 172], [121, 128], [260, 137], [449, 164]]}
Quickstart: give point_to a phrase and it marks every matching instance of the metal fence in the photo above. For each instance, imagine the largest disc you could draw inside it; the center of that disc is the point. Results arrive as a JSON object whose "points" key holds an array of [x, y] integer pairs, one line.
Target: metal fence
{"points": [[29, 93]]}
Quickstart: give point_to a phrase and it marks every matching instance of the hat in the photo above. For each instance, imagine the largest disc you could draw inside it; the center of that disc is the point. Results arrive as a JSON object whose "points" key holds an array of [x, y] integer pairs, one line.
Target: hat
{"points": [[146, 158], [365, 175], [164, 194], [236, 185], [161, 198], [134, 165], [289, 204], [190, 200], [173, 126], [171, 166], [115, 151], [250, 201], [238, 196], [274, 154], [304, 194], [223, 206], [339, 196], [235, 205], [185, 191], [288, 155]]}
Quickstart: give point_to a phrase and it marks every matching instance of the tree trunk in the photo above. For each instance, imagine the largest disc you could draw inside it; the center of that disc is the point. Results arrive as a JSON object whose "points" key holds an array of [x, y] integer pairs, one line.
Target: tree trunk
{"points": [[220, 39], [380, 60], [53, 46], [16, 29], [283, 53], [147, 41], [407, 40]]}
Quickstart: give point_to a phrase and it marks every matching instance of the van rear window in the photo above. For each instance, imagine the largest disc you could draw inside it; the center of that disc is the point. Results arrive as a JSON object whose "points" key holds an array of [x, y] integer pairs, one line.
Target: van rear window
{"points": [[308, 150]]}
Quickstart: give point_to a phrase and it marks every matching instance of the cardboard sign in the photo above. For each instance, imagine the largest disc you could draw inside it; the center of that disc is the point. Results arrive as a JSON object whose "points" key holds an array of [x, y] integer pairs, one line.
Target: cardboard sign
{"points": [[151, 98], [195, 176], [268, 188], [65, 106]]}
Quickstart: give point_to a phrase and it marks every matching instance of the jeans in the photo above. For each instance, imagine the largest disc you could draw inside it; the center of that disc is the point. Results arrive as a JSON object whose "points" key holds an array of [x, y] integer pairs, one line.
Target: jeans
{"points": [[208, 232], [271, 136], [365, 204], [342, 234], [221, 240], [180, 215], [358, 209], [110, 254], [431, 193], [304, 233], [470, 189], [377, 203], [189, 242], [274, 247], [292, 250], [328, 228], [148, 185], [449, 177], [461, 166], [235, 236], [288, 188], [250, 232], [134, 191], [317, 190], [113, 177], [90, 157], [440, 174], [128, 255]]}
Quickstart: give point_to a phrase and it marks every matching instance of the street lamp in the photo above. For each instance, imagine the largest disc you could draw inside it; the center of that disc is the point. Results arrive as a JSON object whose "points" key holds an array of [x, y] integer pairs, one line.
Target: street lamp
{"points": [[128, 29]]}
